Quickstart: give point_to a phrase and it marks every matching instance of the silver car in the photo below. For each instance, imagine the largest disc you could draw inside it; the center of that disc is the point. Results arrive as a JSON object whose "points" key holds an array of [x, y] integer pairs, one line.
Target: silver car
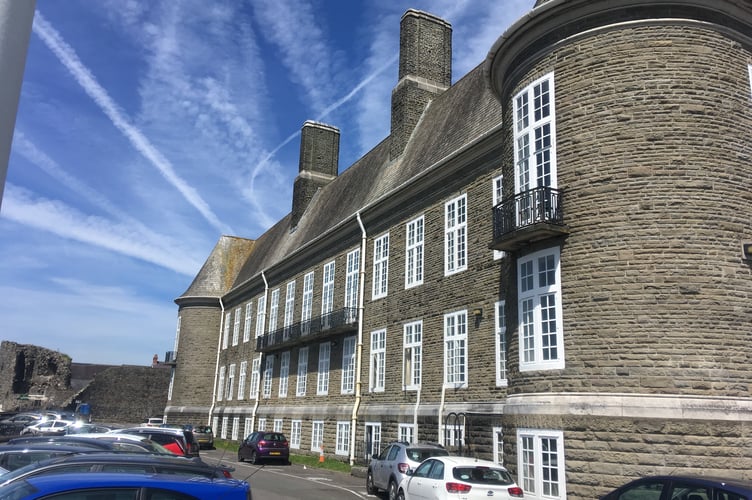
{"points": [[386, 471]]}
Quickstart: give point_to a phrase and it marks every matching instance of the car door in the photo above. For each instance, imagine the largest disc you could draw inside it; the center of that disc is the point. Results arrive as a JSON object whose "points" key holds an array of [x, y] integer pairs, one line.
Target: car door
{"points": [[420, 484], [383, 466]]}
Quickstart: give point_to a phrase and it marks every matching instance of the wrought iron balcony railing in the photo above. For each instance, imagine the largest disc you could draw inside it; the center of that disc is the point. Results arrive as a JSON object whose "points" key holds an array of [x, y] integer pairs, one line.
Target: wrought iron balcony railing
{"points": [[541, 206], [330, 323]]}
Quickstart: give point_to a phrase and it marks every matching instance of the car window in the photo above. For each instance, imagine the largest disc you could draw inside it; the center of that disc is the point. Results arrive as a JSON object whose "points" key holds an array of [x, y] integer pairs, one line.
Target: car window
{"points": [[649, 490], [134, 468], [727, 495], [98, 494], [155, 494], [482, 475], [688, 491], [424, 469], [437, 471], [420, 454], [393, 453]]}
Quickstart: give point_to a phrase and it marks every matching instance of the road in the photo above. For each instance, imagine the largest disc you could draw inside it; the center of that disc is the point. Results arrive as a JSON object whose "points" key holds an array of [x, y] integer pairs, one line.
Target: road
{"points": [[279, 482]]}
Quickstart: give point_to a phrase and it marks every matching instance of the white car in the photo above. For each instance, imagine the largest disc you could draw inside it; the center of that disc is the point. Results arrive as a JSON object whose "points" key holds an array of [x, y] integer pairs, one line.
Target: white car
{"points": [[47, 428], [445, 478]]}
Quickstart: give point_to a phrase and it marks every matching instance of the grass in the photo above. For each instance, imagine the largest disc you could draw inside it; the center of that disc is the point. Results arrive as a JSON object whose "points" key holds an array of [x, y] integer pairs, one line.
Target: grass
{"points": [[307, 460]]}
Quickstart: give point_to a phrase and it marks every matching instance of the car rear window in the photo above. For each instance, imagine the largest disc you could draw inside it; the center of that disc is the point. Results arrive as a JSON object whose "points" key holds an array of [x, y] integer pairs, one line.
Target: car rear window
{"points": [[482, 475], [420, 454]]}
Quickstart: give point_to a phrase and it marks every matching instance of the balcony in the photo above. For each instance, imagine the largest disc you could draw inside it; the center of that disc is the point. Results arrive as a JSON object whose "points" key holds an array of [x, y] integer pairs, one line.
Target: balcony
{"points": [[530, 216], [316, 329]]}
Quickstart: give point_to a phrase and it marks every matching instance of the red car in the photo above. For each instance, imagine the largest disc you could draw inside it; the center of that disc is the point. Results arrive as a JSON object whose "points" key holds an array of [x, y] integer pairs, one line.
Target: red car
{"points": [[263, 445]]}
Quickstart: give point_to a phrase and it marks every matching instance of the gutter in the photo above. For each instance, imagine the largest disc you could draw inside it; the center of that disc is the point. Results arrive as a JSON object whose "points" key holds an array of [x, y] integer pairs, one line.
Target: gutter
{"points": [[216, 365], [359, 346], [261, 358]]}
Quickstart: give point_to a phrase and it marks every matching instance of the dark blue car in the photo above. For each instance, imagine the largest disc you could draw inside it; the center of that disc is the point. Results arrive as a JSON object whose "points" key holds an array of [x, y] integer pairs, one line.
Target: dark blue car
{"points": [[125, 486], [683, 488]]}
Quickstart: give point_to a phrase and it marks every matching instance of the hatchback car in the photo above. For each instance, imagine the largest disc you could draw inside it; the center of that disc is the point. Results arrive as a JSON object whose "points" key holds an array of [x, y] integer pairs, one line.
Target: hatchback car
{"points": [[204, 436], [47, 428], [683, 488], [263, 445], [14, 456], [386, 470], [125, 486], [180, 442], [444, 478]]}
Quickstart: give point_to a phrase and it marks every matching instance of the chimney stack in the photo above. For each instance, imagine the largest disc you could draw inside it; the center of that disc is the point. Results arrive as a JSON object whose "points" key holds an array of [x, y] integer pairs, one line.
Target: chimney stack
{"points": [[425, 71], [319, 165]]}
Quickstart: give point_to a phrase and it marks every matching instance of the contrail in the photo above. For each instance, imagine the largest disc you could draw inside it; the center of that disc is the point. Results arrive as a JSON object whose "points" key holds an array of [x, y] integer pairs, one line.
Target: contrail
{"points": [[86, 80]]}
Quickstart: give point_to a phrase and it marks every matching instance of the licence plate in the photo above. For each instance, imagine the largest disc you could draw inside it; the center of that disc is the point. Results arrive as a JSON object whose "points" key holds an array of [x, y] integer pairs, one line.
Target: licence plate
{"points": [[274, 453]]}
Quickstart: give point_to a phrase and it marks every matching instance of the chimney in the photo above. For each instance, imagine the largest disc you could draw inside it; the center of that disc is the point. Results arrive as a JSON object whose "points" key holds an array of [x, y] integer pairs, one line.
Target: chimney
{"points": [[319, 164], [425, 71]]}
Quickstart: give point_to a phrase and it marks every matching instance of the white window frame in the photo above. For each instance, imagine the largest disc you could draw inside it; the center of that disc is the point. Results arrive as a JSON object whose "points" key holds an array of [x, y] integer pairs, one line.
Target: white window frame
{"points": [[230, 381], [177, 337], [497, 193], [500, 342], [225, 425], [377, 368], [273, 310], [289, 308], [284, 373], [215, 424], [261, 424], [406, 433], [342, 443], [455, 235], [351, 285], [268, 375], [260, 315], [278, 424], [235, 428], [455, 350], [317, 436], [302, 379], [452, 435], [226, 336], [380, 266], [296, 427], [498, 445], [534, 309], [236, 327], [414, 251], [247, 426], [221, 384], [412, 355], [375, 432], [322, 381], [242, 379], [327, 294], [348, 365], [532, 458], [307, 307], [255, 375], [248, 321]]}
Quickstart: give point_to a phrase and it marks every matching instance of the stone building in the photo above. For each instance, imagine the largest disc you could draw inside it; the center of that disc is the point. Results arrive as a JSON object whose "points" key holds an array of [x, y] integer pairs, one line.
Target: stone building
{"points": [[541, 265]]}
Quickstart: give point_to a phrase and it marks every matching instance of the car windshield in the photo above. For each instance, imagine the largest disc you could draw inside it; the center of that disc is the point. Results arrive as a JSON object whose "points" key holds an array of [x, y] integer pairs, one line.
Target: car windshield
{"points": [[420, 454], [203, 428], [270, 436], [482, 475]]}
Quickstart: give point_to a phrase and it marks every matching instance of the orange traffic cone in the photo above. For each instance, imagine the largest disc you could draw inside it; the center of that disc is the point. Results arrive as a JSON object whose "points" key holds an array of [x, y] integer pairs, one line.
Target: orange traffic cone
{"points": [[321, 455]]}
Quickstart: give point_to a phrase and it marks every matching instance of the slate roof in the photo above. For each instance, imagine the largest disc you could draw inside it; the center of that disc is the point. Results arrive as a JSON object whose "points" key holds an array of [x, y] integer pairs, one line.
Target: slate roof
{"points": [[221, 268]]}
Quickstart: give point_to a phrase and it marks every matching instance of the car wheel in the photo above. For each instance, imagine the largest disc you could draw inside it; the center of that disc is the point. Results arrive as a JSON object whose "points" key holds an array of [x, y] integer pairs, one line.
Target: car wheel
{"points": [[392, 490], [400, 495], [254, 458], [370, 488]]}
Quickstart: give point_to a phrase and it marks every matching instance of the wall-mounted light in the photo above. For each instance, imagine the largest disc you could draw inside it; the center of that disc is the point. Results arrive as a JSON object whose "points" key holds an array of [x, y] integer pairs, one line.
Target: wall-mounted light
{"points": [[747, 251], [334, 344], [478, 313]]}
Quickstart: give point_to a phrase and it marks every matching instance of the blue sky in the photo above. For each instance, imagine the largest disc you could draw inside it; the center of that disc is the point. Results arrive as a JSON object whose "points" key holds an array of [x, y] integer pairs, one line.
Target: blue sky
{"points": [[148, 128]]}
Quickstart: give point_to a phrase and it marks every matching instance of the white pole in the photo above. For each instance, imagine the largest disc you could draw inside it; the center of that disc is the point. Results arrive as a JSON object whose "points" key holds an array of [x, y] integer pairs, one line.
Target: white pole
{"points": [[16, 17]]}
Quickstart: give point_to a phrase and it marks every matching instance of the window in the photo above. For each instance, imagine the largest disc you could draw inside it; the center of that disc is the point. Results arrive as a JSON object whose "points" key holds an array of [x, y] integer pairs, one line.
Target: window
{"points": [[236, 327], [255, 373], [348, 365], [534, 144], [248, 320], [322, 385], [215, 423], [226, 336], [235, 428], [406, 433], [373, 438], [284, 371], [305, 315], [327, 295], [278, 424], [541, 463], [221, 384], [413, 342], [378, 361], [455, 235], [343, 438], [497, 183], [317, 435], [540, 328], [501, 344], [241, 379], [380, 266], [351, 285], [454, 435], [414, 253], [289, 309], [177, 335], [274, 310], [498, 445], [268, 374], [455, 349], [230, 382], [300, 389], [260, 315], [225, 425], [295, 434], [262, 424], [247, 426]]}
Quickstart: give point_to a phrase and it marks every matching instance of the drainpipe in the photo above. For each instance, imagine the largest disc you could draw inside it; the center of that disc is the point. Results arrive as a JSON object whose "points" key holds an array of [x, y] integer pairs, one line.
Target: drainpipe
{"points": [[216, 365], [359, 346], [441, 412], [261, 359], [415, 411]]}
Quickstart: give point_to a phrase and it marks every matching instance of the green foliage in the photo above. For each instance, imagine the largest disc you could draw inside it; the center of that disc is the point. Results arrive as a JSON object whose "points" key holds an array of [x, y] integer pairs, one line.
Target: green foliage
{"points": [[307, 460]]}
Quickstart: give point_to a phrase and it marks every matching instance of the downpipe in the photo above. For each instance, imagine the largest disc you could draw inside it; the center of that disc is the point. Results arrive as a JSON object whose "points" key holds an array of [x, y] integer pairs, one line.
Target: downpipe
{"points": [[359, 345]]}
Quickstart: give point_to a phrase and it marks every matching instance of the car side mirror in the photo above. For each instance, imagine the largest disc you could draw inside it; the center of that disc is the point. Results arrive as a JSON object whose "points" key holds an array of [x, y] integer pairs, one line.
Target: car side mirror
{"points": [[409, 472]]}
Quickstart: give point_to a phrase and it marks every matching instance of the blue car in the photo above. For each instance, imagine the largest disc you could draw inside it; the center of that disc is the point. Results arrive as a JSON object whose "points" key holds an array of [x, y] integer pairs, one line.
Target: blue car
{"points": [[125, 486], [683, 488]]}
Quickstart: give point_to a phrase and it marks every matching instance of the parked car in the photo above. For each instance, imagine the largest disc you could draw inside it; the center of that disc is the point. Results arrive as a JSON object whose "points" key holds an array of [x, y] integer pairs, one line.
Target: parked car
{"points": [[76, 441], [386, 470], [119, 485], [683, 488], [448, 477], [180, 442], [263, 445], [119, 462], [205, 436], [12, 426], [128, 442], [153, 422], [47, 428], [14, 456], [84, 428]]}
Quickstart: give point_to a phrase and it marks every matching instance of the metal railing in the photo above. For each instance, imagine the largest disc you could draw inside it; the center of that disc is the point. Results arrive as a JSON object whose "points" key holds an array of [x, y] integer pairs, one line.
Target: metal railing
{"points": [[323, 324], [537, 205]]}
